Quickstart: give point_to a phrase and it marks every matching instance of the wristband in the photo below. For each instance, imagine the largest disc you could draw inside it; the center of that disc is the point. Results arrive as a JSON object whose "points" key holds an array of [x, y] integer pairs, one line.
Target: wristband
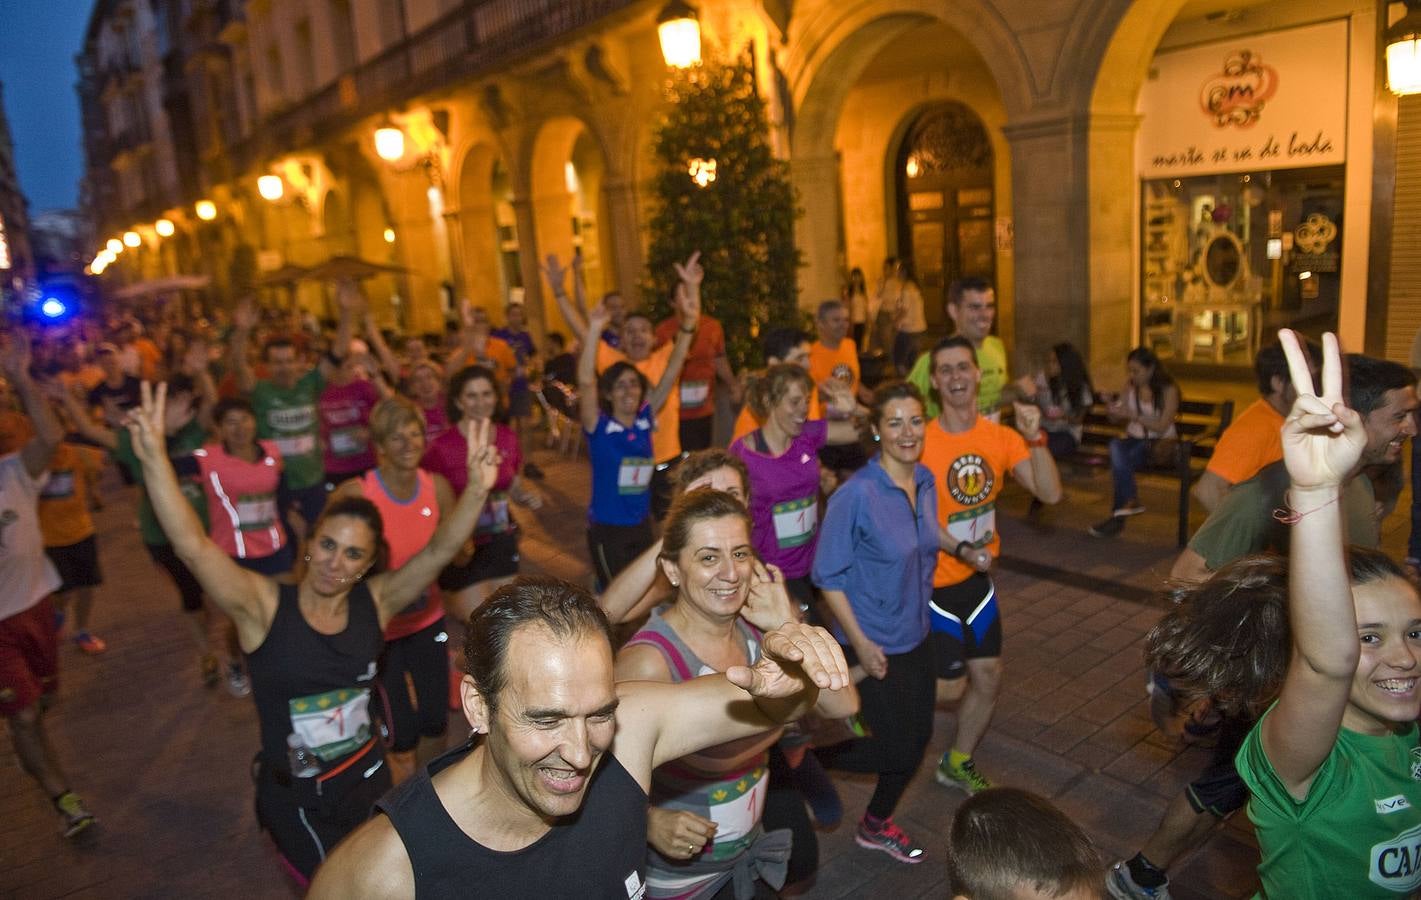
{"points": [[1039, 440], [958, 552]]}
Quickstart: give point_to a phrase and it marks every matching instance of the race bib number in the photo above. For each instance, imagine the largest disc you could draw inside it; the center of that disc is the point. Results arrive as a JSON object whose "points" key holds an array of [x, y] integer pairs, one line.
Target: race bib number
{"points": [[348, 441], [634, 475], [296, 445], [59, 486], [735, 807], [334, 723], [975, 526], [256, 511], [795, 522], [694, 394], [495, 518]]}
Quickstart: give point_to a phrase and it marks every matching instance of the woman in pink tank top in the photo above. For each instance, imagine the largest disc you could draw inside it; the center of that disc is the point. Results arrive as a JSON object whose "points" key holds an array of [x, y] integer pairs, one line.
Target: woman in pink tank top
{"points": [[410, 501]]}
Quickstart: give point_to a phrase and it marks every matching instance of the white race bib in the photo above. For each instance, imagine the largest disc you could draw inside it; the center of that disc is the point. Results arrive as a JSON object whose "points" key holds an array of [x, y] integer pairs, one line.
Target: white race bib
{"points": [[296, 445], [348, 441], [735, 808], [634, 475], [256, 512], [694, 393], [976, 526], [334, 723], [795, 522]]}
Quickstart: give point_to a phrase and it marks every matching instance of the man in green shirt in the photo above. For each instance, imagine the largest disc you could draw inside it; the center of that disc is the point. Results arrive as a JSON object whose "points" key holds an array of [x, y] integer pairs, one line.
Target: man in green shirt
{"points": [[286, 404], [972, 306]]}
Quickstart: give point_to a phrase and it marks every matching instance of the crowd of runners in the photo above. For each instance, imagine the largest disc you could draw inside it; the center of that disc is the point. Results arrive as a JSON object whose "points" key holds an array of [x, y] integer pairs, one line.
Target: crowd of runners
{"points": [[337, 508]]}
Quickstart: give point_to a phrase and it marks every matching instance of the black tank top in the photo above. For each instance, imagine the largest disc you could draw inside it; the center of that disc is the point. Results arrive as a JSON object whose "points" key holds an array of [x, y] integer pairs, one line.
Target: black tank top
{"points": [[598, 852], [316, 685]]}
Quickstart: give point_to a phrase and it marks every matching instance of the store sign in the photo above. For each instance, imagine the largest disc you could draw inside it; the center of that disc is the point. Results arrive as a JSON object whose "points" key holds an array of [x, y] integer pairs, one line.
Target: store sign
{"points": [[1267, 101]]}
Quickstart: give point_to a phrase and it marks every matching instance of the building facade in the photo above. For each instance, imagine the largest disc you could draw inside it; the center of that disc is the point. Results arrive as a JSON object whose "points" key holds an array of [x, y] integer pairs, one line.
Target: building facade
{"points": [[17, 264], [1178, 173]]}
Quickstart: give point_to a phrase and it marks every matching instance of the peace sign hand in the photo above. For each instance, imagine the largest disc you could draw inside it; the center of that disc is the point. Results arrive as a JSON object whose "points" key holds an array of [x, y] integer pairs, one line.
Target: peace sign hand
{"points": [[483, 455], [556, 273], [690, 272], [146, 423], [1323, 440]]}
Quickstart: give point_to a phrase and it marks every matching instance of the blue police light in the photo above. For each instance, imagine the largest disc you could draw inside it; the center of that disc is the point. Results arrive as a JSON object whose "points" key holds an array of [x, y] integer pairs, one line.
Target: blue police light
{"points": [[53, 308]]}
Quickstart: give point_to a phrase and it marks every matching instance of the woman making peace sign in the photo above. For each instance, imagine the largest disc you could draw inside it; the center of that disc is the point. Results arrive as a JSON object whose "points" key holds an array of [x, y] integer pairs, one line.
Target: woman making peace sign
{"points": [[311, 647]]}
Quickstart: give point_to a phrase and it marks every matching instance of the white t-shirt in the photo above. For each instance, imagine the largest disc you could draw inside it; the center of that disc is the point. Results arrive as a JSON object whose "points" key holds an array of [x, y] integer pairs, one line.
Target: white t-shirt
{"points": [[26, 574]]}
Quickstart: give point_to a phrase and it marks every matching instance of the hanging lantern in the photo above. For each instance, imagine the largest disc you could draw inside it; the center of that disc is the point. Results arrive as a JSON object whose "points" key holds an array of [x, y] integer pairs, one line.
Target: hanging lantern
{"points": [[680, 34]]}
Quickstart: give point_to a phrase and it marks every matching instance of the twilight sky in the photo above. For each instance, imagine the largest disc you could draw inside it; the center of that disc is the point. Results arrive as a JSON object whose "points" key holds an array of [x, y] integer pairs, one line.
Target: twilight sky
{"points": [[38, 42]]}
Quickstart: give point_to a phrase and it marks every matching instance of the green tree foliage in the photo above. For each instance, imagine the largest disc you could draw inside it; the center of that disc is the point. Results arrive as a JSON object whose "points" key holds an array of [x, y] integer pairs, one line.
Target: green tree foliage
{"points": [[742, 222]]}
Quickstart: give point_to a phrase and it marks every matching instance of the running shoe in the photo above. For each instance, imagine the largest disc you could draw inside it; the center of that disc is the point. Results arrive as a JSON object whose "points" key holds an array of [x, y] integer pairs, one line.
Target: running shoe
{"points": [[76, 817], [964, 777], [1133, 508], [1108, 528], [1121, 885], [238, 684], [211, 670], [891, 840], [89, 643]]}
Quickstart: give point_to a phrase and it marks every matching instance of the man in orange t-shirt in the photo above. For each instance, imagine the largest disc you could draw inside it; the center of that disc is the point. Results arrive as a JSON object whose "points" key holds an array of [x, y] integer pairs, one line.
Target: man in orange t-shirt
{"points": [[479, 347], [969, 457], [706, 363], [834, 358], [69, 534], [1254, 438]]}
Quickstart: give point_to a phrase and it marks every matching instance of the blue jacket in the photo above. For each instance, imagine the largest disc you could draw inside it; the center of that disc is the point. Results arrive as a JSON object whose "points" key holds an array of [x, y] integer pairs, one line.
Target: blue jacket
{"points": [[875, 549]]}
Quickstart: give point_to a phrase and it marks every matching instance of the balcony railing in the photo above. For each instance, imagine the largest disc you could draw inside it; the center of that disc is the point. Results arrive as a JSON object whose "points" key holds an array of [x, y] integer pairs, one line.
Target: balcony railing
{"points": [[477, 36]]}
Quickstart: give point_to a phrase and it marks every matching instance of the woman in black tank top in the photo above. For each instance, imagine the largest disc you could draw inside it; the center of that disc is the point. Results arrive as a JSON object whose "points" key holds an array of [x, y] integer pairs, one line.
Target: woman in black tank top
{"points": [[311, 647]]}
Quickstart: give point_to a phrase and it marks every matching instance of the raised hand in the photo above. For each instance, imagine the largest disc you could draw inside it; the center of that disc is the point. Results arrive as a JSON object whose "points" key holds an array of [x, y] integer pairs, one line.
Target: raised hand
{"points": [[597, 321], [482, 457], [1028, 418], [1323, 440], [195, 358], [15, 354], [795, 658], [556, 273], [349, 298], [690, 272], [147, 423], [838, 396], [768, 604]]}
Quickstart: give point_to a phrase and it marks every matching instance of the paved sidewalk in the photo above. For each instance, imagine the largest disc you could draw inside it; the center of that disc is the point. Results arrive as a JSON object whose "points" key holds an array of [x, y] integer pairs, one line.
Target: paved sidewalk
{"points": [[163, 761]]}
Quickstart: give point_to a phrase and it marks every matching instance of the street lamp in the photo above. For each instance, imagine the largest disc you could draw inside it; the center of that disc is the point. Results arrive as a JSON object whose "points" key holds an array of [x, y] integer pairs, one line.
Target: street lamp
{"points": [[271, 187], [1403, 52], [680, 34], [206, 210], [164, 227], [114, 246], [389, 142], [131, 239]]}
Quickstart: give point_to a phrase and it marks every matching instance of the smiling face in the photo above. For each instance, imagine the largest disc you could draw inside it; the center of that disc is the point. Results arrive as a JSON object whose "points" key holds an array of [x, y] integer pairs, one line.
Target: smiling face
{"points": [[403, 447], [342, 550], [477, 399], [955, 376], [237, 429], [555, 718], [1384, 689], [626, 395], [974, 314], [638, 338], [713, 568], [1388, 427], [790, 413], [900, 430]]}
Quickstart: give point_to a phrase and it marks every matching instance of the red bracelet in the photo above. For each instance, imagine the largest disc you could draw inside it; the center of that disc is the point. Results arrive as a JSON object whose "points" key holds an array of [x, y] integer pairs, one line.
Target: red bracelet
{"points": [[1289, 516], [1039, 440]]}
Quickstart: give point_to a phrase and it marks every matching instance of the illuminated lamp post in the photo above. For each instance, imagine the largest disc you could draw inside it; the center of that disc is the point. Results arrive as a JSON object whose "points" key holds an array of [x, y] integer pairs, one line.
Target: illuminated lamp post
{"points": [[271, 188], [680, 33], [1403, 52], [389, 142]]}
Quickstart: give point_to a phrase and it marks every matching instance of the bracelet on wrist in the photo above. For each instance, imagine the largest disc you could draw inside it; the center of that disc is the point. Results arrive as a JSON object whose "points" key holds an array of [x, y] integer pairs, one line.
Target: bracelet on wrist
{"points": [[958, 551]]}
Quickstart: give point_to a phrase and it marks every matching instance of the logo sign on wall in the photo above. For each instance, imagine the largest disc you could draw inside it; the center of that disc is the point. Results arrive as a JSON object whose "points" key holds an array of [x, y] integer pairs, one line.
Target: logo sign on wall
{"points": [[1266, 101]]}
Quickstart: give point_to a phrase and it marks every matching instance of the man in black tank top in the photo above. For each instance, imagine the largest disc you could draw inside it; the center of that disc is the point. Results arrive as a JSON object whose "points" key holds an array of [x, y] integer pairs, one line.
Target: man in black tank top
{"points": [[543, 802]]}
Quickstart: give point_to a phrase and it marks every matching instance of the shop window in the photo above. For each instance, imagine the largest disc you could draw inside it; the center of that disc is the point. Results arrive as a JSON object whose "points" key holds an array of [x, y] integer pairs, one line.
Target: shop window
{"points": [[1229, 259]]}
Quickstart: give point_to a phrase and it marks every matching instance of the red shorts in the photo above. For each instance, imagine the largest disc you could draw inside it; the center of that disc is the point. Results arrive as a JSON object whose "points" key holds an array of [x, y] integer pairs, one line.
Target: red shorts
{"points": [[29, 657]]}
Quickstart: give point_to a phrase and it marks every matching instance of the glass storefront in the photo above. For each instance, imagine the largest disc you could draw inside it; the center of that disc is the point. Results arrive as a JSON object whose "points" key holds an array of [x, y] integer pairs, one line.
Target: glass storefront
{"points": [[1229, 259]]}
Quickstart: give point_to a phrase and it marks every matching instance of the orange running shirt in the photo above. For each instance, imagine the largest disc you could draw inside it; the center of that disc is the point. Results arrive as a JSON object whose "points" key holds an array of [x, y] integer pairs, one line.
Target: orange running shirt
{"points": [[842, 363], [666, 439], [1252, 441], [64, 517], [969, 468]]}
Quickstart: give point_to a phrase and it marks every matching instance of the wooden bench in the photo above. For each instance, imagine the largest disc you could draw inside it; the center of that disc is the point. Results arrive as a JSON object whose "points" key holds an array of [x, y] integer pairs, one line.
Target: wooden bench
{"points": [[1199, 425]]}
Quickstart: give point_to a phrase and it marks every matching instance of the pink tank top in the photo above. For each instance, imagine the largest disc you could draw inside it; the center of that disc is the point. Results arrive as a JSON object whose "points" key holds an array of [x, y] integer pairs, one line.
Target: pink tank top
{"points": [[241, 500], [409, 525]]}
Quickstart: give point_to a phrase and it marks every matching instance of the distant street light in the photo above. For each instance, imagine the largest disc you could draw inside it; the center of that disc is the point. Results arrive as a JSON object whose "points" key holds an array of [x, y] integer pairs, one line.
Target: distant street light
{"points": [[114, 246], [206, 210], [131, 239], [389, 142], [164, 227], [271, 187]]}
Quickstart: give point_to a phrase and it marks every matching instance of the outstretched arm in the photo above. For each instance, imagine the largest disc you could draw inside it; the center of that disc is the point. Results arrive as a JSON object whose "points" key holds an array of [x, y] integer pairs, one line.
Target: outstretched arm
{"points": [[244, 319], [688, 315], [248, 598], [352, 308], [557, 280], [393, 591], [630, 593], [1038, 473], [588, 408], [38, 451], [1323, 442]]}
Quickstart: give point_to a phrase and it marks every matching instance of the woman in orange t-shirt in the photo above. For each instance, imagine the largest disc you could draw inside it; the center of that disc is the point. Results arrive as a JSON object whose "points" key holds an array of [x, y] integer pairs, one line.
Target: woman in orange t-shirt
{"points": [[69, 535]]}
